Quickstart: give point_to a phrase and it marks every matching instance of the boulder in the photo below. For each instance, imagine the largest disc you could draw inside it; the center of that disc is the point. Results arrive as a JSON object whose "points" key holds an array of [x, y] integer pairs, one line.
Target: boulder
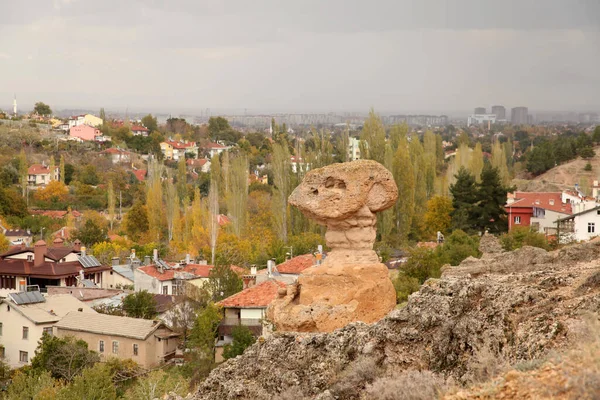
{"points": [[351, 284]]}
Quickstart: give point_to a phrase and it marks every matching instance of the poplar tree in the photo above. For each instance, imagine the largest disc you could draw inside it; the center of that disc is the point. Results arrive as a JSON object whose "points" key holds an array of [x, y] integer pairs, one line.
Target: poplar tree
{"points": [[181, 178], [52, 167], [111, 203], [172, 204], [476, 163], [23, 167], [154, 199], [420, 197], [177, 223], [372, 138], [281, 178], [237, 198], [386, 218], [402, 169], [397, 133], [213, 200], [499, 162], [429, 146], [62, 169]]}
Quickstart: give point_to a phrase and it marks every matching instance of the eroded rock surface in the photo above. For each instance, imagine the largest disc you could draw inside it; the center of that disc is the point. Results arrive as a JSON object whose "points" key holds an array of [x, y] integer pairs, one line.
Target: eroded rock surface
{"points": [[523, 305], [351, 284]]}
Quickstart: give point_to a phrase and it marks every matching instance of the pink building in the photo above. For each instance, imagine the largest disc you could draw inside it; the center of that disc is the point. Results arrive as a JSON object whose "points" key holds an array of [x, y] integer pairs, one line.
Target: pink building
{"points": [[84, 132]]}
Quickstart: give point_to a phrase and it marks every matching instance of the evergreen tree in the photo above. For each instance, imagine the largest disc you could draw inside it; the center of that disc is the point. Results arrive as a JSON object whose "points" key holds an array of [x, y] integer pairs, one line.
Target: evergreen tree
{"points": [[62, 169], [464, 201], [491, 194], [110, 192]]}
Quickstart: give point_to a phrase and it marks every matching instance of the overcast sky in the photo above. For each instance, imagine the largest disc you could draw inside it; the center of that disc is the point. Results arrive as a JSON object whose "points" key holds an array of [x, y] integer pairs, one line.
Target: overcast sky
{"points": [[301, 55]]}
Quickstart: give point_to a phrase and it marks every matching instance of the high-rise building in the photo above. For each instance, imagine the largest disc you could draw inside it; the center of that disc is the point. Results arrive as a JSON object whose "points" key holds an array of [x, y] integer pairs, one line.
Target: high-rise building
{"points": [[500, 112], [479, 110], [519, 115]]}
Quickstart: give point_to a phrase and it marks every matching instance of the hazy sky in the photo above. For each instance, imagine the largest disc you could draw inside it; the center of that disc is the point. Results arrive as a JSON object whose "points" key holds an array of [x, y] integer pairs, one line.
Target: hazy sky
{"points": [[301, 55]]}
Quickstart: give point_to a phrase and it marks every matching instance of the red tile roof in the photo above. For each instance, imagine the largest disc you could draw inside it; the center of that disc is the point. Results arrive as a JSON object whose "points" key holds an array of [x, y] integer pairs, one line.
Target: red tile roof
{"points": [[181, 145], [39, 169], [258, 296], [196, 162], [223, 219], [136, 128], [140, 174], [297, 264], [546, 200], [201, 271]]}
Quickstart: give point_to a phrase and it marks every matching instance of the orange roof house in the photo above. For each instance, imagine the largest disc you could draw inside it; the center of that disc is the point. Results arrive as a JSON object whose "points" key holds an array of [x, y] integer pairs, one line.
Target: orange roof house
{"points": [[259, 296], [297, 264]]}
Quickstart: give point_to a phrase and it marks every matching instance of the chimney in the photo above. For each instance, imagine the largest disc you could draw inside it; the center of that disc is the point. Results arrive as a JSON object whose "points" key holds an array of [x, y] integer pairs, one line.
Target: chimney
{"points": [[187, 258], [270, 266], [77, 245], [132, 255], [116, 261], [248, 281], [83, 251], [252, 270], [155, 255], [147, 260], [39, 251]]}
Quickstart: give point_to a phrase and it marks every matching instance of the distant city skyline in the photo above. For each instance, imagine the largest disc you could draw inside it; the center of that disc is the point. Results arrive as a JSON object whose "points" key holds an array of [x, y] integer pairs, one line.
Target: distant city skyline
{"points": [[406, 56]]}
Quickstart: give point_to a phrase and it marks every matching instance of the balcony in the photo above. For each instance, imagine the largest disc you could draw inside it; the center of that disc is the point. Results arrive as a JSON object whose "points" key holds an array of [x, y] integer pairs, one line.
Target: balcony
{"points": [[227, 324]]}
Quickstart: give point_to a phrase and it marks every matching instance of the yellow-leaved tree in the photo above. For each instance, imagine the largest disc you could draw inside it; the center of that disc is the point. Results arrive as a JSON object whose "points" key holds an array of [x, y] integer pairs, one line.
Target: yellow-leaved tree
{"points": [[55, 191]]}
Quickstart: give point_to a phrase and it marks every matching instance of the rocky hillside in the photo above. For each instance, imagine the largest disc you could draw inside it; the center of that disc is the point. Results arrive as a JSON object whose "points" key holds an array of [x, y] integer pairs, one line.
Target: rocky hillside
{"points": [[505, 308]]}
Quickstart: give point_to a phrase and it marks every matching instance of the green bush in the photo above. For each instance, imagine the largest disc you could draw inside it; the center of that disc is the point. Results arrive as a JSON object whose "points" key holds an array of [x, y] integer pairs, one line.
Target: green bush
{"points": [[405, 285], [523, 236], [588, 167], [422, 265], [457, 247]]}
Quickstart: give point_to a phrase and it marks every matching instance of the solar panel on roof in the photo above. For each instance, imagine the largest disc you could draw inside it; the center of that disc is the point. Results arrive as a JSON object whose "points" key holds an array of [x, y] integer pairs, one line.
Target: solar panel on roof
{"points": [[89, 261], [27, 297], [163, 264]]}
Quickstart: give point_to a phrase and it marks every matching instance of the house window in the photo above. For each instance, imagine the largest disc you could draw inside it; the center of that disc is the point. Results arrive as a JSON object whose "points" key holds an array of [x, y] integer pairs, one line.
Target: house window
{"points": [[165, 290], [517, 220], [25, 333], [23, 356], [101, 346], [29, 257], [48, 331], [591, 227], [115, 348], [135, 349], [597, 212]]}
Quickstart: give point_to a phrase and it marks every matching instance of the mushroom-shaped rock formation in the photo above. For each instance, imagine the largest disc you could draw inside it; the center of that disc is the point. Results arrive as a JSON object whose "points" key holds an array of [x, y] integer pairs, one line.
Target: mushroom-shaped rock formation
{"points": [[351, 284]]}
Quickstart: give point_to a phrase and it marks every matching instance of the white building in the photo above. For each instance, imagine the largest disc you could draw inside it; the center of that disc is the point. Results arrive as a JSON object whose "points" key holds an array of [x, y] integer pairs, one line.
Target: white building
{"points": [[25, 316], [580, 226], [163, 278], [354, 149], [481, 119]]}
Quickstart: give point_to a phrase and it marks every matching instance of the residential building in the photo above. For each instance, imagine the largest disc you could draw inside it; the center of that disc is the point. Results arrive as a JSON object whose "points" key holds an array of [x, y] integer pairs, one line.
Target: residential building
{"points": [[25, 316], [121, 276], [87, 119], [85, 132], [199, 164], [582, 225], [214, 149], [288, 271], [479, 110], [147, 342], [519, 115], [41, 265], [168, 278], [140, 174], [246, 308], [499, 112], [18, 237], [174, 150], [538, 210], [117, 155], [298, 164], [40, 175], [139, 130], [353, 149]]}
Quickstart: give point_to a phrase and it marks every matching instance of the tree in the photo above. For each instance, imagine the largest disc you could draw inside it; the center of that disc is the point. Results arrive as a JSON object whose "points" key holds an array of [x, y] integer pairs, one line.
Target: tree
{"points": [[438, 216], [4, 244], [93, 384], [136, 220], [150, 122], [464, 200], [140, 305], [520, 236], [402, 170], [110, 193], [65, 358], [457, 247], [183, 313], [69, 172], [62, 169], [422, 264], [476, 163], [242, 339], [171, 205], [54, 192], [596, 135], [213, 204], [281, 178], [223, 282], [91, 233], [491, 194], [216, 126], [372, 138], [12, 204], [156, 384], [237, 198], [587, 153], [42, 109], [154, 199], [33, 385], [202, 342], [499, 162]]}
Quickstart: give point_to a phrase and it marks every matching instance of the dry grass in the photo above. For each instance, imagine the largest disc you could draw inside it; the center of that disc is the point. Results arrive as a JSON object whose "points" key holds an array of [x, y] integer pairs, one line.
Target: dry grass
{"points": [[409, 385], [352, 380]]}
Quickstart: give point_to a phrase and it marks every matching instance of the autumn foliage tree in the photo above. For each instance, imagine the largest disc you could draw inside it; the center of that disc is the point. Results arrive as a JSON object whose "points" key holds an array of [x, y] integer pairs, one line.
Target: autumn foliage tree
{"points": [[54, 192]]}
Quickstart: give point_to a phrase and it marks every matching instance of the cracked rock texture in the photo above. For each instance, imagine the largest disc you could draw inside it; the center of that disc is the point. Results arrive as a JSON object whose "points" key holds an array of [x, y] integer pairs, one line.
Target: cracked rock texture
{"points": [[518, 305]]}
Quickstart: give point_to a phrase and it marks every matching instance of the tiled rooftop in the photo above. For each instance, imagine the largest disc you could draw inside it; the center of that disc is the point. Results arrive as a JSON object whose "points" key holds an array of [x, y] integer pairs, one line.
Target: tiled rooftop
{"points": [[297, 264], [258, 296]]}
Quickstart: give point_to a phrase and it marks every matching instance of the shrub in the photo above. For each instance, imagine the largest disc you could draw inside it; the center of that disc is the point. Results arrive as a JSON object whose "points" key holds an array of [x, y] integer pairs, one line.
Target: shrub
{"points": [[588, 167], [458, 246], [422, 265], [409, 385], [355, 377], [242, 339], [405, 285], [523, 236]]}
